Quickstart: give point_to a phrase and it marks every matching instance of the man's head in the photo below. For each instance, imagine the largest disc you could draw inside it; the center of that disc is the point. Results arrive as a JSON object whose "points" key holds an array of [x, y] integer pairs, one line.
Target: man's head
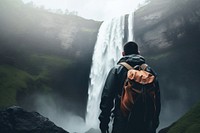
{"points": [[130, 48]]}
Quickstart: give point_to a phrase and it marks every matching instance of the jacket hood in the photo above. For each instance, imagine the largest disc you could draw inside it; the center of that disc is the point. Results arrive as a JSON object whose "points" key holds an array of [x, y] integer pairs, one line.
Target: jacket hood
{"points": [[133, 59]]}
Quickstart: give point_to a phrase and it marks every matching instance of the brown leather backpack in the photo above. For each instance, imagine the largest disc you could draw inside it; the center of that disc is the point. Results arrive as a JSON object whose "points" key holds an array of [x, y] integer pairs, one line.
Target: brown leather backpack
{"points": [[138, 86]]}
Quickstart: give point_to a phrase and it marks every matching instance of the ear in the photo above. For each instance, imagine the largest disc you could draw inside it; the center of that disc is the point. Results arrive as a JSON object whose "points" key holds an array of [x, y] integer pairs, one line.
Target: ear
{"points": [[123, 53]]}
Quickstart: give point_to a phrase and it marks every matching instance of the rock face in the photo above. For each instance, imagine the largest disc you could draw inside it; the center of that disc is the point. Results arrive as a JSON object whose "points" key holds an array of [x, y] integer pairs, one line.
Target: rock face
{"points": [[168, 35], [162, 24], [40, 52], [17, 120]]}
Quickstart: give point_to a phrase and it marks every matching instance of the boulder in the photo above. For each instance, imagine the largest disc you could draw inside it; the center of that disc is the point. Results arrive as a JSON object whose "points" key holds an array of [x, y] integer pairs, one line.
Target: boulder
{"points": [[17, 120]]}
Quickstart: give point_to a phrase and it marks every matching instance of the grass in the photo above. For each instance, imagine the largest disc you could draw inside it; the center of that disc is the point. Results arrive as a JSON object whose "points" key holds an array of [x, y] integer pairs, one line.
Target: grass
{"points": [[189, 123], [37, 77], [11, 81], [48, 61]]}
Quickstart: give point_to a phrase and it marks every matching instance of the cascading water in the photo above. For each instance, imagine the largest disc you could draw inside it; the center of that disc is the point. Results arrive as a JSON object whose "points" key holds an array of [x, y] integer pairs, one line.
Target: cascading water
{"points": [[130, 27], [107, 51]]}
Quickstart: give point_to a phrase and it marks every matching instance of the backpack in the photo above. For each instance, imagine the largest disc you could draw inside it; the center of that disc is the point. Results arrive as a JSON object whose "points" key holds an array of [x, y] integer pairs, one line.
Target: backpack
{"points": [[138, 94]]}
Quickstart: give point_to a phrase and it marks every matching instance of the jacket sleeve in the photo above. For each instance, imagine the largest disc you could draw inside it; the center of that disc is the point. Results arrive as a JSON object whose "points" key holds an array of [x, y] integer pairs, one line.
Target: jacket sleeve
{"points": [[157, 100], [158, 105], [107, 98]]}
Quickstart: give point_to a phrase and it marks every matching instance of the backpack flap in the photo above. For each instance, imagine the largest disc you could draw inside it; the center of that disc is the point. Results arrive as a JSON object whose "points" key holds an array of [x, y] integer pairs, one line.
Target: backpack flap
{"points": [[140, 76]]}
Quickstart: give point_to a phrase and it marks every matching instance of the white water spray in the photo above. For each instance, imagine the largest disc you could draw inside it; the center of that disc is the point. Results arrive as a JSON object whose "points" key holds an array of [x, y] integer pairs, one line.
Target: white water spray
{"points": [[130, 27], [107, 51]]}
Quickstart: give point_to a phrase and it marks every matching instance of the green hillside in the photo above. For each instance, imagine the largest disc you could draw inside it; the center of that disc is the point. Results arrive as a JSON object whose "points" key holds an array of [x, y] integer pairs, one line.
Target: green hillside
{"points": [[188, 123], [39, 53], [16, 83], [11, 80]]}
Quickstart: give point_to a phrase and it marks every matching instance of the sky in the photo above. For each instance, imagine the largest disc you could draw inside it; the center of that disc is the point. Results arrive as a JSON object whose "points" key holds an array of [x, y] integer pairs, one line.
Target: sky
{"points": [[91, 9]]}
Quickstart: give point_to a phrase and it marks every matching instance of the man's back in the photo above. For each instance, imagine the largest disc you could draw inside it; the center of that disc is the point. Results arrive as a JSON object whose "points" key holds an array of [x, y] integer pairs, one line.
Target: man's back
{"points": [[111, 99]]}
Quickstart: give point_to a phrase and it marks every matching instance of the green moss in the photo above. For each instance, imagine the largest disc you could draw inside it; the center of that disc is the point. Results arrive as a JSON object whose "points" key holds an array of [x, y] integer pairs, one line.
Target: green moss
{"points": [[48, 62], [33, 76], [189, 123], [195, 128], [11, 80]]}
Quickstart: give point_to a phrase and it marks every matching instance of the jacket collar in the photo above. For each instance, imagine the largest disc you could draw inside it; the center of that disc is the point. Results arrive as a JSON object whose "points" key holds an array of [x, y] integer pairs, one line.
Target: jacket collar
{"points": [[134, 59]]}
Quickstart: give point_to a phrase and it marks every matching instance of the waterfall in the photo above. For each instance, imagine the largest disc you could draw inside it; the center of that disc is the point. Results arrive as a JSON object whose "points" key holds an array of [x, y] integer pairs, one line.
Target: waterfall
{"points": [[130, 27], [108, 50]]}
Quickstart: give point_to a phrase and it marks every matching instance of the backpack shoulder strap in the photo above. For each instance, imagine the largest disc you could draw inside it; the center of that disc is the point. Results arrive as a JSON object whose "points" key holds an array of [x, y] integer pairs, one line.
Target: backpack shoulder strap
{"points": [[144, 66], [126, 65]]}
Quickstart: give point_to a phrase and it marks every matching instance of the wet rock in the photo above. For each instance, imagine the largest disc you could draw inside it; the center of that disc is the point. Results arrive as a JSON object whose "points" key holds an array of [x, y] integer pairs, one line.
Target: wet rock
{"points": [[16, 120]]}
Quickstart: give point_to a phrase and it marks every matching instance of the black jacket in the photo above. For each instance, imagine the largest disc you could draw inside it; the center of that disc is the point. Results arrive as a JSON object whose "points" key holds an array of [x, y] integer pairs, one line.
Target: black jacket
{"points": [[110, 100]]}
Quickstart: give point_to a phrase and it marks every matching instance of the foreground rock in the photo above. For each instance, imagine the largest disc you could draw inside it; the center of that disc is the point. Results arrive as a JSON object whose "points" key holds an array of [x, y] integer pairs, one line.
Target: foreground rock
{"points": [[17, 120]]}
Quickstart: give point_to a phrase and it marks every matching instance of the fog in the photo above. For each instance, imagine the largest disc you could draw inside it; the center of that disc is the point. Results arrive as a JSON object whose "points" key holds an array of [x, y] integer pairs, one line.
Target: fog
{"points": [[54, 50], [173, 109], [68, 120], [99, 10]]}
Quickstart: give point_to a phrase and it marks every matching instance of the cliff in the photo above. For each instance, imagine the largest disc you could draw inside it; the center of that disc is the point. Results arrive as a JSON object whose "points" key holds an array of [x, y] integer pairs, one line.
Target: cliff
{"points": [[168, 35], [44, 53], [51, 54]]}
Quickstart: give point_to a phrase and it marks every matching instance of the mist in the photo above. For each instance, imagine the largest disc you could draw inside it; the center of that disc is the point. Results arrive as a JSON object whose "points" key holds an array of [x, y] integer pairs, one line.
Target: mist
{"points": [[45, 58], [173, 109], [91, 9], [50, 107], [40, 58]]}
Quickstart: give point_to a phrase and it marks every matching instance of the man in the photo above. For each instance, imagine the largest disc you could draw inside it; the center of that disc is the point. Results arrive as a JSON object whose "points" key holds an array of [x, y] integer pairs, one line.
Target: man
{"points": [[112, 91]]}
